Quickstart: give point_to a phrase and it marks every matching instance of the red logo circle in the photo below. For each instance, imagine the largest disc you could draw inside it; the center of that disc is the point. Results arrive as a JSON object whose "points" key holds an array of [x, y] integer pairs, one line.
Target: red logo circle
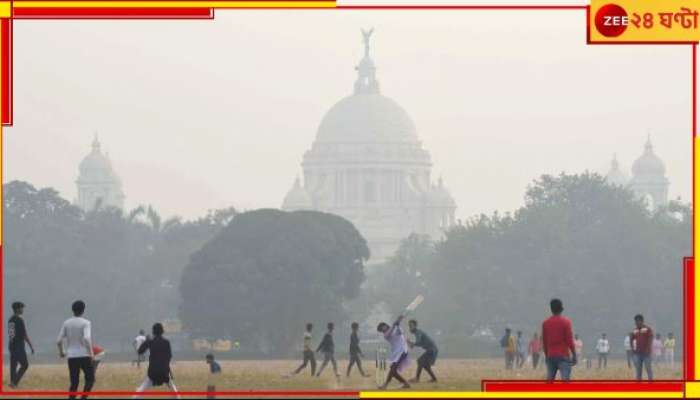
{"points": [[611, 20]]}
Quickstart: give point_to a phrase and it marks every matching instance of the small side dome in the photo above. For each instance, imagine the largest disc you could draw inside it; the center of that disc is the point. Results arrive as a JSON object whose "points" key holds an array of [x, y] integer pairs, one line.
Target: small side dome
{"points": [[616, 176], [297, 198], [649, 163]]}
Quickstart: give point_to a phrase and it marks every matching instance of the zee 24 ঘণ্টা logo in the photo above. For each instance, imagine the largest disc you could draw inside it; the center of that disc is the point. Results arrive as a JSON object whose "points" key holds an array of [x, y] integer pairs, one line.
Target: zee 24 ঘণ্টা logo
{"points": [[612, 20]]}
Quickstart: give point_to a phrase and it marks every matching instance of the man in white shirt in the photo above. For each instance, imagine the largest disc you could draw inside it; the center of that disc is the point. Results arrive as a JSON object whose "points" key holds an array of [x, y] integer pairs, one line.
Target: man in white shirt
{"points": [[138, 341], [76, 336], [603, 348], [398, 353]]}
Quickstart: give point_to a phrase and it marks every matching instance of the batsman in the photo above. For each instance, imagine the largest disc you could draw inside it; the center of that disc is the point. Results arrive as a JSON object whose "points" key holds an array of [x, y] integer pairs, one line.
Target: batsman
{"points": [[398, 352]]}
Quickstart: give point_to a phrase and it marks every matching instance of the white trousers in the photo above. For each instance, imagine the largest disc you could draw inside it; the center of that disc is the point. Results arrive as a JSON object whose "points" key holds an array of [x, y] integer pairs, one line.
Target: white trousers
{"points": [[669, 357], [147, 384]]}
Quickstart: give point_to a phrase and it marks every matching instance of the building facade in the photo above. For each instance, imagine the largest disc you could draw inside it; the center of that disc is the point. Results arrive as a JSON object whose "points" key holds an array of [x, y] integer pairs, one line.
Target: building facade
{"points": [[368, 165], [97, 183]]}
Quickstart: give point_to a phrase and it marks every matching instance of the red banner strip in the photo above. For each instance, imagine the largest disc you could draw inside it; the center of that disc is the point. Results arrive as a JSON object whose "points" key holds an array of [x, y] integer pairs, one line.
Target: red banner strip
{"points": [[240, 393], [113, 13], [6, 65], [583, 386], [689, 318]]}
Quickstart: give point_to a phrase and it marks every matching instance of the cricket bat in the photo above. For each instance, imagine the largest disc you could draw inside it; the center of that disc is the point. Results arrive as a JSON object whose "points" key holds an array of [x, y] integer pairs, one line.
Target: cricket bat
{"points": [[413, 305]]}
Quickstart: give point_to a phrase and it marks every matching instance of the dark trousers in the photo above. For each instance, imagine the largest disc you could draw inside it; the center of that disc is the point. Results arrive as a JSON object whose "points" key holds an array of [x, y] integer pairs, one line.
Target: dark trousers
{"points": [[355, 359], [602, 360], [328, 357], [18, 358], [426, 362], [308, 359], [535, 360], [75, 365], [510, 359]]}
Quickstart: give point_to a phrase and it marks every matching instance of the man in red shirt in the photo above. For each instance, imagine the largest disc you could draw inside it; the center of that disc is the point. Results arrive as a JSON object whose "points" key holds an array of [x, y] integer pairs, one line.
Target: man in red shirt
{"points": [[558, 343], [641, 338]]}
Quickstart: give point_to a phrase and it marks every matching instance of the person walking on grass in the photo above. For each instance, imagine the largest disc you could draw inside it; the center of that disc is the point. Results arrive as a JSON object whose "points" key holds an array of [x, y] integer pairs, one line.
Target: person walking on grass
{"points": [[398, 352], [76, 336], [508, 346], [628, 350], [355, 351], [657, 348], [558, 343], [578, 344], [138, 341], [519, 349], [642, 338], [534, 348], [427, 359], [327, 348], [669, 347], [17, 337], [308, 352], [159, 357], [214, 372], [603, 348]]}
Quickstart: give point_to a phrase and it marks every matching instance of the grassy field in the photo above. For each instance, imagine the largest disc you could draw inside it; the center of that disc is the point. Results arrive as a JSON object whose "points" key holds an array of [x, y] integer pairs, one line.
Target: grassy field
{"points": [[453, 374]]}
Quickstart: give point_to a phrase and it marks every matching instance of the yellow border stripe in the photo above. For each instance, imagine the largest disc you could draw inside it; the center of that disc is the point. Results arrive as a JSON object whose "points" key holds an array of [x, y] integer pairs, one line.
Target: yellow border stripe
{"points": [[173, 4], [5, 9], [530, 395]]}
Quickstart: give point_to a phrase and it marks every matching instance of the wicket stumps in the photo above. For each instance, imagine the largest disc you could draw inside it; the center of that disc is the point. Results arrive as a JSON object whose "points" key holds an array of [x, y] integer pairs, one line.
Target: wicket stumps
{"points": [[380, 365]]}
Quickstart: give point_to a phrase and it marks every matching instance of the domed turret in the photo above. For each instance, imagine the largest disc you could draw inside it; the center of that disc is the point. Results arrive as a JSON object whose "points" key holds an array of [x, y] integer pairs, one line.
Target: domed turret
{"points": [[97, 182], [649, 177], [616, 176], [648, 163], [95, 167], [297, 198]]}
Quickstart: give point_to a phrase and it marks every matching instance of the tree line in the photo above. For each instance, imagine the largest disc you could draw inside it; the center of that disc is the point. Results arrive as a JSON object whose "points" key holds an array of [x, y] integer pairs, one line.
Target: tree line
{"points": [[258, 276]]}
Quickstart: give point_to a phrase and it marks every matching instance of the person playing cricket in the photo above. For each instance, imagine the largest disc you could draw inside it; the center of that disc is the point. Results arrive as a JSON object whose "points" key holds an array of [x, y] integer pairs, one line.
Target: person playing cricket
{"points": [[355, 351], [398, 352], [427, 359], [159, 358]]}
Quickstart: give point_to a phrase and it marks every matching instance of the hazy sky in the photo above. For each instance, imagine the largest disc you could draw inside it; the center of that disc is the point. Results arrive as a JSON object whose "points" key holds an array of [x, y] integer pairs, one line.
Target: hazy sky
{"points": [[206, 114]]}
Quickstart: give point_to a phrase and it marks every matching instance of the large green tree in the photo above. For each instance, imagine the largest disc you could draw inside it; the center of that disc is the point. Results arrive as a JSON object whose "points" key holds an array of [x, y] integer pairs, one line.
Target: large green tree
{"points": [[596, 246], [269, 271]]}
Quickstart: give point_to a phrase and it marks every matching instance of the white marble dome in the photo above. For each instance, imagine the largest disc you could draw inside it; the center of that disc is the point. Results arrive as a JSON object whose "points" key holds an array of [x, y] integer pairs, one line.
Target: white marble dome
{"points": [[96, 167], [649, 163], [367, 118]]}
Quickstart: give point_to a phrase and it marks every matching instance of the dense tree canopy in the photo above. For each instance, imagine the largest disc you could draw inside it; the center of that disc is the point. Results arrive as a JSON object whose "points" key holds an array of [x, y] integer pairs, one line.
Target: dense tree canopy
{"points": [[124, 265], [259, 276], [268, 272], [595, 246]]}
